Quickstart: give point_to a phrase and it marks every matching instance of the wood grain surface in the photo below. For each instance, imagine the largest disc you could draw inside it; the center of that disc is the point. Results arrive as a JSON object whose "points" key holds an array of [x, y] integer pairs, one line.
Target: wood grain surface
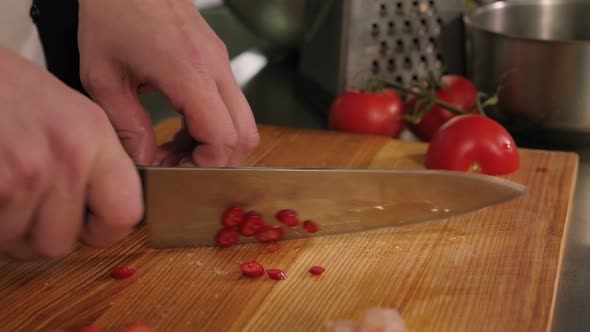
{"points": [[493, 270]]}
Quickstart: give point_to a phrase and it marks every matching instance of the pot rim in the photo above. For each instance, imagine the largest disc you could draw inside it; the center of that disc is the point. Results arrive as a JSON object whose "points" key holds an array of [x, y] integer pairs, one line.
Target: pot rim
{"points": [[468, 19]]}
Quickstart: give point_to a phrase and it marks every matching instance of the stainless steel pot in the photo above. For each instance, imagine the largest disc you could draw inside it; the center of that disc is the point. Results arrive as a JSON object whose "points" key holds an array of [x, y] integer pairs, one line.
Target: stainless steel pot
{"points": [[538, 54]]}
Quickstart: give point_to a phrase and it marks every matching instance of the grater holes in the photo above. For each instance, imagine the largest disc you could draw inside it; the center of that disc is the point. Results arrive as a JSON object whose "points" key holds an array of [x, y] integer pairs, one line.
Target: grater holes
{"points": [[415, 78], [415, 3], [431, 3], [399, 7], [400, 45], [432, 41], [382, 9], [375, 67], [374, 29], [399, 79], [391, 27], [407, 62], [391, 64], [416, 43], [408, 25], [384, 47]]}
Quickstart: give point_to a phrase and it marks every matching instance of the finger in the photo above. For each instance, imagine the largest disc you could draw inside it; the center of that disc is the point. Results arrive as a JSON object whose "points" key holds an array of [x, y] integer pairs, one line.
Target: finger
{"points": [[207, 119], [21, 250], [114, 199], [59, 219], [20, 188], [129, 118], [241, 115]]}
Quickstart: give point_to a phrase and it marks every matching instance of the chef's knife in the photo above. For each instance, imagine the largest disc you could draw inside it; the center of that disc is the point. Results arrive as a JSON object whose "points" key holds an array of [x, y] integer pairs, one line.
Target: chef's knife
{"points": [[184, 205]]}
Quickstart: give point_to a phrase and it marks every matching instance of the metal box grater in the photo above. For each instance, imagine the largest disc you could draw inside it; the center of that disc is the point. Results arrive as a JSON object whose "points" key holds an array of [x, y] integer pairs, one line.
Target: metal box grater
{"points": [[347, 41]]}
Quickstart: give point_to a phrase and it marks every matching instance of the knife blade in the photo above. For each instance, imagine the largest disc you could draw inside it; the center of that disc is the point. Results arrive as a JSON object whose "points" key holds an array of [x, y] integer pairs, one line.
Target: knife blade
{"points": [[183, 206]]}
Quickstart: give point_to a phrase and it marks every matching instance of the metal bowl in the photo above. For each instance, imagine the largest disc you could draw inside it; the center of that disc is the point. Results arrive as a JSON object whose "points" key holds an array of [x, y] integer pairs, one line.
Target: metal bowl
{"points": [[538, 55]]}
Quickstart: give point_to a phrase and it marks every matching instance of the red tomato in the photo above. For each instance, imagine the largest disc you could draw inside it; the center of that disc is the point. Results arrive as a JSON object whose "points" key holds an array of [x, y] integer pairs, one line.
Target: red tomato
{"points": [[457, 91], [373, 113], [474, 143]]}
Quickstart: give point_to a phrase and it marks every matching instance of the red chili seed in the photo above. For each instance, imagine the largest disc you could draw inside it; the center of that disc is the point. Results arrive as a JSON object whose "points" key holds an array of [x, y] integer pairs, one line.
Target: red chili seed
{"points": [[316, 270], [252, 269], [252, 223], [122, 272], [137, 327], [276, 274], [227, 237], [273, 248], [288, 217], [310, 226], [269, 234], [232, 217]]}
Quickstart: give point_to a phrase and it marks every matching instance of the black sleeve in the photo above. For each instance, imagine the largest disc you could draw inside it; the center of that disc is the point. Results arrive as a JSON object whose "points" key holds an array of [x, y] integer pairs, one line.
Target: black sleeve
{"points": [[57, 23]]}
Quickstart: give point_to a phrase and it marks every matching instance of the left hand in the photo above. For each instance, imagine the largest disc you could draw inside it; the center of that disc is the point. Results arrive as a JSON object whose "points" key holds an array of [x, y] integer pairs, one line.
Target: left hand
{"points": [[132, 45]]}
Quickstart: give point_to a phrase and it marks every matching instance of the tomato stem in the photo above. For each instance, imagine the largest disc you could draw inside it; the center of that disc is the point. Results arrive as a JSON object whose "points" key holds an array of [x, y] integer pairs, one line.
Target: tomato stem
{"points": [[426, 96]]}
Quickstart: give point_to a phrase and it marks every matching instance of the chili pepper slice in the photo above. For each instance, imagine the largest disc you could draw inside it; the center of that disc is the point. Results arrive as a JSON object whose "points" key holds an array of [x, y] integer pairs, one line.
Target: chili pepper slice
{"points": [[122, 272], [276, 274], [269, 234], [232, 217], [252, 269], [227, 237]]}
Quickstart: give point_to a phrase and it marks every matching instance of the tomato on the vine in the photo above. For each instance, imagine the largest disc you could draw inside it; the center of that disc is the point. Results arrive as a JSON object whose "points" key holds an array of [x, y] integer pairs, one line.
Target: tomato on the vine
{"points": [[455, 90], [473, 143], [374, 113]]}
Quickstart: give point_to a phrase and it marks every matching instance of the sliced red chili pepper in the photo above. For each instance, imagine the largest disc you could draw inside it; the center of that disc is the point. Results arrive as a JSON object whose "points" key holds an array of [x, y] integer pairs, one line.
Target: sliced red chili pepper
{"points": [[316, 270], [269, 234], [252, 269], [288, 217], [252, 223], [137, 327], [227, 237], [310, 226], [122, 272], [276, 274], [232, 217], [89, 329], [273, 248]]}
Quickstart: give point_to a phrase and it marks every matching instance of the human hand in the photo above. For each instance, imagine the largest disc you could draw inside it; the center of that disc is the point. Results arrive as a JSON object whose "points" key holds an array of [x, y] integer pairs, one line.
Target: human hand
{"points": [[129, 46], [58, 156]]}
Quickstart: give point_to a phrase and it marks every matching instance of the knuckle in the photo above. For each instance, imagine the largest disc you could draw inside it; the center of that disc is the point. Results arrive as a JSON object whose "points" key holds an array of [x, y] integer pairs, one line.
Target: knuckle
{"points": [[220, 49], [95, 81], [29, 170]]}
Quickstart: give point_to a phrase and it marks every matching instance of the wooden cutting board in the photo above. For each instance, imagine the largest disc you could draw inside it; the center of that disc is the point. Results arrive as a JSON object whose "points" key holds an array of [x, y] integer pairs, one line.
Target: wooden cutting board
{"points": [[493, 270]]}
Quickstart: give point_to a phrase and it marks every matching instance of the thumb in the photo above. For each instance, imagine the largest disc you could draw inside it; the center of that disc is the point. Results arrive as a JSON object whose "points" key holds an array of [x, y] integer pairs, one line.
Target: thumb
{"points": [[130, 120]]}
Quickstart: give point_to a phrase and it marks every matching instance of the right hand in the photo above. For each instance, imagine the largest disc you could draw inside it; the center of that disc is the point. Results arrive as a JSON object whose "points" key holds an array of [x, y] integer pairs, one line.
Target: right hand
{"points": [[59, 156]]}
